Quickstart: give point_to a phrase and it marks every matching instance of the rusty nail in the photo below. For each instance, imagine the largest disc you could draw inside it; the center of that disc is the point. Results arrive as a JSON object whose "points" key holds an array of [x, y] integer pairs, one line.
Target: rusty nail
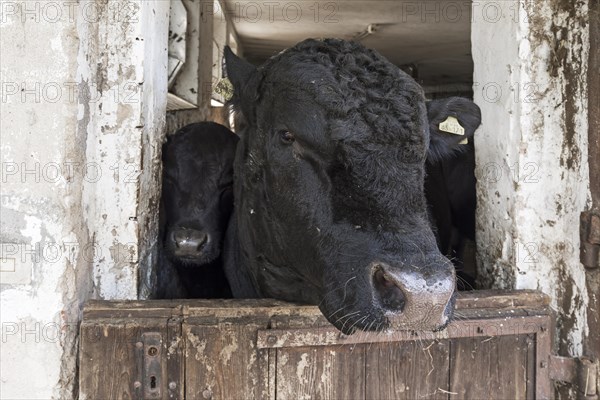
{"points": [[137, 384], [272, 339], [207, 394], [172, 385]]}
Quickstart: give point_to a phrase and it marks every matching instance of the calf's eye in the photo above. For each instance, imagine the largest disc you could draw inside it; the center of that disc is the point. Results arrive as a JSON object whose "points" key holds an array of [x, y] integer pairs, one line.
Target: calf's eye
{"points": [[286, 137]]}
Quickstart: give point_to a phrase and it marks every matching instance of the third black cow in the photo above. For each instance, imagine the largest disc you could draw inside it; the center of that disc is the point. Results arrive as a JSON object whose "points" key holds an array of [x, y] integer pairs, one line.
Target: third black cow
{"points": [[196, 204], [450, 181]]}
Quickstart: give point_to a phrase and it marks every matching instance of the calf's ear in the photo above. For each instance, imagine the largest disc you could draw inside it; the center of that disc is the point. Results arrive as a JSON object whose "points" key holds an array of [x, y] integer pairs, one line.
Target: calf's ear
{"points": [[452, 125]]}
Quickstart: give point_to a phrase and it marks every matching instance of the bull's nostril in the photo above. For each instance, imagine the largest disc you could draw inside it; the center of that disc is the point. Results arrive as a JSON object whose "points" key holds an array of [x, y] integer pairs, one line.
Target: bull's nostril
{"points": [[390, 295], [383, 280]]}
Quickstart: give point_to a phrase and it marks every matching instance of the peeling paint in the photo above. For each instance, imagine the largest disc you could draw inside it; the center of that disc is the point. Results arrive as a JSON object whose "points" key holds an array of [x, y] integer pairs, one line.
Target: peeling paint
{"points": [[228, 350], [301, 367], [282, 359], [528, 233], [174, 346], [110, 83], [199, 346], [33, 229]]}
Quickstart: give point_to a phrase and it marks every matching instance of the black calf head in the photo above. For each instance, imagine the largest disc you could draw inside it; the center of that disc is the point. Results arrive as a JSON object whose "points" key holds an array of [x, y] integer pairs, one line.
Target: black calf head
{"points": [[329, 187], [452, 125], [197, 196]]}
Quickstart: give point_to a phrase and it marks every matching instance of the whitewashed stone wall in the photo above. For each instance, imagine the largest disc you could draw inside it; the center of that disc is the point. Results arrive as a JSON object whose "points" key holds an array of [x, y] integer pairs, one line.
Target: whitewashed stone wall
{"points": [[83, 101], [530, 82]]}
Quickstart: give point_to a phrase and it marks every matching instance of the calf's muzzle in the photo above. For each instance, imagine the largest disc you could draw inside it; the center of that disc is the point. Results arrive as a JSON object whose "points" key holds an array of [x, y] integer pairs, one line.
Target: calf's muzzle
{"points": [[189, 242]]}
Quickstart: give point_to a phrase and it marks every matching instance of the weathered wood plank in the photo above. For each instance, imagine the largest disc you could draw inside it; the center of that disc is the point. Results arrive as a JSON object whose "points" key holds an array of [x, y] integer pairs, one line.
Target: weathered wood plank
{"points": [[110, 360], [544, 388], [327, 336], [222, 361], [501, 299], [96, 344], [336, 372], [410, 370], [530, 367], [175, 360], [481, 299], [492, 368], [272, 374], [103, 309]]}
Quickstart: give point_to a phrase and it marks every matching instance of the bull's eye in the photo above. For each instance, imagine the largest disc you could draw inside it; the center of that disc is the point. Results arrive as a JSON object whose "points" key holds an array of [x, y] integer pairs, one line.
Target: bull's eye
{"points": [[286, 136]]}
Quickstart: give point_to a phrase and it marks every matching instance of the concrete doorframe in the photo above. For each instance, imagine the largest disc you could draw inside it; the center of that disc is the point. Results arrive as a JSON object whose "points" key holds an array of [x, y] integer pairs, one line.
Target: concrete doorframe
{"points": [[530, 81]]}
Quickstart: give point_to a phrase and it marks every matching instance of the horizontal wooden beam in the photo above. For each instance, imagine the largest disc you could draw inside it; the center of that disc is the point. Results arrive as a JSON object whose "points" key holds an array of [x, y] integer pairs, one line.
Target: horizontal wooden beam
{"points": [[327, 336]]}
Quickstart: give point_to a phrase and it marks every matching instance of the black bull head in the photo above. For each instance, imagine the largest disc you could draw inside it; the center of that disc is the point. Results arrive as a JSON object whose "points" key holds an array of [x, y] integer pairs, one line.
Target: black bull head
{"points": [[329, 173]]}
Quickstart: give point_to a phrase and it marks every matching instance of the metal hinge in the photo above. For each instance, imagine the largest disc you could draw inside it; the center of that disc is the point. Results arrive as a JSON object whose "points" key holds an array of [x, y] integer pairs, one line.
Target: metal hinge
{"points": [[581, 372], [589, 233]]}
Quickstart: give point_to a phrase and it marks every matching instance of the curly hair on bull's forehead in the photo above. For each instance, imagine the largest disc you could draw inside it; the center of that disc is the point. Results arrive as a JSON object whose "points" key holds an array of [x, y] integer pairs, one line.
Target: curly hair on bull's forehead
{"points": [[357, 85]]}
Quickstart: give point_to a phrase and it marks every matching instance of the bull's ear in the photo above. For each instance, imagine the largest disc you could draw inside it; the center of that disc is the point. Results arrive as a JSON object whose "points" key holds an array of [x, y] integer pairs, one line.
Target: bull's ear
{"points": [[238, 71], [452, 125]]}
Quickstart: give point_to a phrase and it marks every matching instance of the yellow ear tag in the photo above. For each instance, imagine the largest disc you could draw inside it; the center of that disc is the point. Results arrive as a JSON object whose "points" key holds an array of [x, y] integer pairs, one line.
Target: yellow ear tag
{"points": [[464, 141], [225, 89], [451, 125]]}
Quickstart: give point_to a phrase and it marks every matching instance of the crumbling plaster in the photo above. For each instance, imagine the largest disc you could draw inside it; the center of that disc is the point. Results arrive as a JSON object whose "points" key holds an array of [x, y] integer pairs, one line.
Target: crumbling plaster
{"points": [[83, 103], [530, 82]]}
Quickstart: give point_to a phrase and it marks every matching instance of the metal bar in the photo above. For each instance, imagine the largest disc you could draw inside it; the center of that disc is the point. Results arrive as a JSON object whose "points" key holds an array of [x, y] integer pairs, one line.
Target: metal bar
{"points": [[582, 373], [562, 369], [327, 336], [587, 378]]}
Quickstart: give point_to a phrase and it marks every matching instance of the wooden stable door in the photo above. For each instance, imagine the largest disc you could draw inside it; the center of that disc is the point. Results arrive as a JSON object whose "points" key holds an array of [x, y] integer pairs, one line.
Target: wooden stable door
{"points": [[498, 347]]}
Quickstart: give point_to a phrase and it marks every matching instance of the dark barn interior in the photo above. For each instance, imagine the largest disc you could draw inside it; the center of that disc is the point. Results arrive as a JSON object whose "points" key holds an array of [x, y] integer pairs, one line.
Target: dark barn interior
{"points": [[429, 41]]}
